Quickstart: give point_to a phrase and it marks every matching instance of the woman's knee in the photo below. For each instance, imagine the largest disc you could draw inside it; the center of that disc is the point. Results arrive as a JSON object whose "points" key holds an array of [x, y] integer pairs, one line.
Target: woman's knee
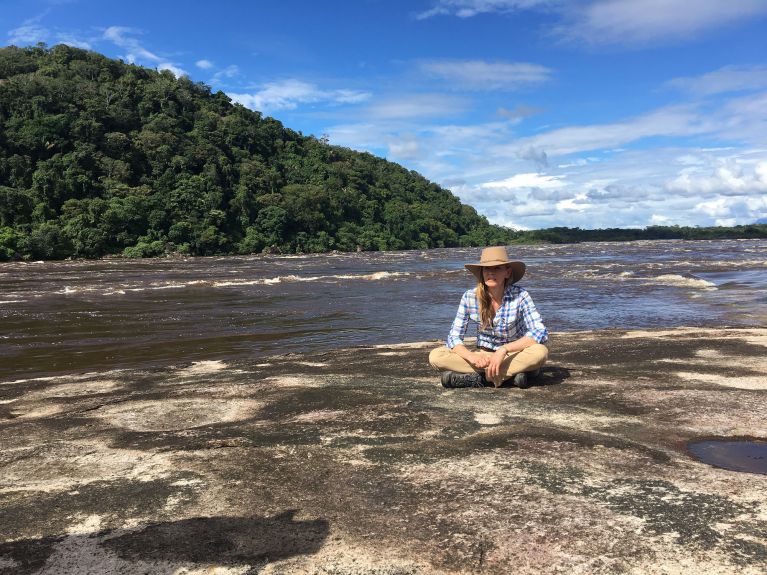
{"points": [[437, 357], [539, 352]]}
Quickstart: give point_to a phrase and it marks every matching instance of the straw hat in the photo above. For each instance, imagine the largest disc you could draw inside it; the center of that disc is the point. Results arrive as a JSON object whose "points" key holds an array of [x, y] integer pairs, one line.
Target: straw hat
{"points": [[496, 256]]}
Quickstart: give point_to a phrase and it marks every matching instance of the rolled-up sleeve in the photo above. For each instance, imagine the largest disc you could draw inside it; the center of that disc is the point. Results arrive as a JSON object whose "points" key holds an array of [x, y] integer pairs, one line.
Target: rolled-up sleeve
{"points": [[531, 319], [461, 321]]}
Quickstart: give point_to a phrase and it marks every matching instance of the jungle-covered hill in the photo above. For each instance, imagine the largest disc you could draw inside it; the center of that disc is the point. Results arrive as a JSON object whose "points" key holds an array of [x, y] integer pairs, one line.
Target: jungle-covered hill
{"points": [[102, 157]]}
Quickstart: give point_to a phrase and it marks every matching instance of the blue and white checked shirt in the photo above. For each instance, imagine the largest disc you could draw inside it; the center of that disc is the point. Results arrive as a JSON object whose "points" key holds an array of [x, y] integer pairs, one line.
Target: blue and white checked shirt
{"points": [[517, 317]]}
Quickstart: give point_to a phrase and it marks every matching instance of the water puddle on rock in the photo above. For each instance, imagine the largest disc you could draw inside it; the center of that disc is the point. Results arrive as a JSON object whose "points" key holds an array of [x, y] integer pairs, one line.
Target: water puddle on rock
{"points": [[749, 456]]}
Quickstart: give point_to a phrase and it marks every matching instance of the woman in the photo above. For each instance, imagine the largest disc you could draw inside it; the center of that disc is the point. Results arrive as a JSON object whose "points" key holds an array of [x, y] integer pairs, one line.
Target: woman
{"points": [[510, 332]]}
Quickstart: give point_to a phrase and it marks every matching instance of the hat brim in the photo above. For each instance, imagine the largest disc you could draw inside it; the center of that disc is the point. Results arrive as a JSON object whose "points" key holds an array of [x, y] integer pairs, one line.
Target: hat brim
{"points": [[518, 269]]}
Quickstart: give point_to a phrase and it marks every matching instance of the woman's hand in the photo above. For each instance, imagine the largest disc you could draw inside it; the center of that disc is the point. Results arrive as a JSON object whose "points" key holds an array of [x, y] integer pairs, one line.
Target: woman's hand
{"points": [[479, 360], [493, 367]]}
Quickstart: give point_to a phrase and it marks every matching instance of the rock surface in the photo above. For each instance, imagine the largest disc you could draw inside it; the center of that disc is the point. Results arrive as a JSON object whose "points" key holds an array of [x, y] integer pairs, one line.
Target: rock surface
{"points": [[357, 461]]}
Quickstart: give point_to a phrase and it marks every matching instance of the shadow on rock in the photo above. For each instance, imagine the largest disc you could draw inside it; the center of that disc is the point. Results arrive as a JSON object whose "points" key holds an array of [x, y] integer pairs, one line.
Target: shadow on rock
{"points": [[224, 540], [551, 375]]}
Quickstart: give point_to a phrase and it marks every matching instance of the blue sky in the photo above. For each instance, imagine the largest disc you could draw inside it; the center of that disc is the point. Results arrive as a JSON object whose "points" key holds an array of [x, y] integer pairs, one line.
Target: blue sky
{"points": [[539, 113]]}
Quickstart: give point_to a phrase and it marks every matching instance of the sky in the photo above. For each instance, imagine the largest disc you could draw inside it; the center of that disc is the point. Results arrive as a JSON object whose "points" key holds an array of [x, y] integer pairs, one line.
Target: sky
{"points": [[539, 113]]}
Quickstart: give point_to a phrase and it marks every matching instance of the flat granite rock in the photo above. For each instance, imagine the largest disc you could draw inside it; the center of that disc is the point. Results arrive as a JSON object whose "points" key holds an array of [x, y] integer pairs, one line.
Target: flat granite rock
{"points": [[357, 461]]}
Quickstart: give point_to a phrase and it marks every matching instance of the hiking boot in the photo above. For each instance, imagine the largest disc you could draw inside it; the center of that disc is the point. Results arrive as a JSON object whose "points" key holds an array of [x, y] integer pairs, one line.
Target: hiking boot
{"points": [[522, 380], [452, 379]]}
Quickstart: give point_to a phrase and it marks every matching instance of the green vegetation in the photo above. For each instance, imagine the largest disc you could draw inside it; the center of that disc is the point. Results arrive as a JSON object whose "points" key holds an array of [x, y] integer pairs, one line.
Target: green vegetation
{"points": [[575, 235], [101, 157]]}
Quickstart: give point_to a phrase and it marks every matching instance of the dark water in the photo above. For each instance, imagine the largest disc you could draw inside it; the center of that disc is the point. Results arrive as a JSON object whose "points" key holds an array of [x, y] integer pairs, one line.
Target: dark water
{"points": [[746, 456], [92, 315]]}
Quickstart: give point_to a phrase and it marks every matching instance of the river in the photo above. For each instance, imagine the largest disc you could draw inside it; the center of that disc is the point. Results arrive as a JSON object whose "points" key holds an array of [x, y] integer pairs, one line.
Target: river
{"points": [[79, 316]]}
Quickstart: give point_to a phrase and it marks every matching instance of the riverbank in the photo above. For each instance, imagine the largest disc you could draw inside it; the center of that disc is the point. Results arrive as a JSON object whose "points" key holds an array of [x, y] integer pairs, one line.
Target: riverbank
{"points": [[545, 236], [357, 461]]}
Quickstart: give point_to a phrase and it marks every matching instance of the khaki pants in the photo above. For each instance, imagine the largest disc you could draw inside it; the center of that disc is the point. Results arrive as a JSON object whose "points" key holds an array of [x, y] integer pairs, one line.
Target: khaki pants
{"points": [[529, 359]]}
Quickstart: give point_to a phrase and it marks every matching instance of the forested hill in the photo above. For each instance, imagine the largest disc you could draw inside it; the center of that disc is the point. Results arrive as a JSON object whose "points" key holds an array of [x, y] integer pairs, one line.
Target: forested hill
{"points": [[101, 157]]}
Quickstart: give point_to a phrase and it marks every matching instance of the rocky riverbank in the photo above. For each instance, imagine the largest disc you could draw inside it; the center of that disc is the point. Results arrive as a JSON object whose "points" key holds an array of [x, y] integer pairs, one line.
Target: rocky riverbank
{"points": [[357, 461]]}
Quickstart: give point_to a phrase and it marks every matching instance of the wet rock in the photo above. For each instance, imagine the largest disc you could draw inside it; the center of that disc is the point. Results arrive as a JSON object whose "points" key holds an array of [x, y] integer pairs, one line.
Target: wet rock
{"points": [[357, 461]]}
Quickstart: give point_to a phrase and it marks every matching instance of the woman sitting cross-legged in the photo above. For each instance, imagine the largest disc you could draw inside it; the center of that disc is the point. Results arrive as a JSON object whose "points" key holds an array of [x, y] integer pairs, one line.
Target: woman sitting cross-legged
{"points": [[510, 332]]}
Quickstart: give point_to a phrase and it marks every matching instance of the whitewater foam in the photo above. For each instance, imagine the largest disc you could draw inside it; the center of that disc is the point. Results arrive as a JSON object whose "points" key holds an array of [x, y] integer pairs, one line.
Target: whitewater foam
{"points": [[682, 281]]}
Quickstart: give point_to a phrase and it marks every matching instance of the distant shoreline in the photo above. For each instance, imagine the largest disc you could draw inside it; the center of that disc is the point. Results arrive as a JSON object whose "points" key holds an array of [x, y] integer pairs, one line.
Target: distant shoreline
{"points": [[552, 236]]}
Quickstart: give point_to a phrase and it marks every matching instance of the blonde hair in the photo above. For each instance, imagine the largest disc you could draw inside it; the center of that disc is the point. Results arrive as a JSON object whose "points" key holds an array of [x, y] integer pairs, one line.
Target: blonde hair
{"points": [[486, 313]]}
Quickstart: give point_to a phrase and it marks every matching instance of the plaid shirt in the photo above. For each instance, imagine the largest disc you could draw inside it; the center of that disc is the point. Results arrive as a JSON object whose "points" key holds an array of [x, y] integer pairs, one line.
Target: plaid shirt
{"points": [[516, 318]]}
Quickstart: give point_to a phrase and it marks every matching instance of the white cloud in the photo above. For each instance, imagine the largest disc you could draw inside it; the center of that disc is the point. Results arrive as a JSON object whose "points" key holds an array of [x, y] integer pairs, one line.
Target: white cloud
{"points": [[178, 72], [628, 189], [577, 204], [123, 37], [641, 22], [601, 175], [481, 75], [745, 118], [718, 207], [204, 64], [660, 220], [670, 121], [728, 178], [469, 8], [231, 71], [417, 106], [71, 40], [535, 155], [529, 180], [361, 136], [28, 34], [519, 112], [32, 34], [631, 22], [727, 79], [289, 94], [407, 147]]}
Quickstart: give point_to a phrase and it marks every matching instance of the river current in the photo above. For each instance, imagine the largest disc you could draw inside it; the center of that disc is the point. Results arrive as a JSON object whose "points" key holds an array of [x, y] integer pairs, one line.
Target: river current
{"points": [[79, 316]]}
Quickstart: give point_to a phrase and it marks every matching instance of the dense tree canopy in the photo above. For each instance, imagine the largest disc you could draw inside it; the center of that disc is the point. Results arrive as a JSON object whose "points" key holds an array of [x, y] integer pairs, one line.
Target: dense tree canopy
{"points": [[101, 157]]}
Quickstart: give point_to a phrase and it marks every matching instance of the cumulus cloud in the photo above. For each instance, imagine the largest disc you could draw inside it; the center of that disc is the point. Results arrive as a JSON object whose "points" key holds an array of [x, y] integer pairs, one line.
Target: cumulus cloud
{"points": [[289, 94], [178, 72], [481, 75], [204, 64], [528, 180], [723, 186], [598, 175], [729, 179], [728, 211], [536, 155]]}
